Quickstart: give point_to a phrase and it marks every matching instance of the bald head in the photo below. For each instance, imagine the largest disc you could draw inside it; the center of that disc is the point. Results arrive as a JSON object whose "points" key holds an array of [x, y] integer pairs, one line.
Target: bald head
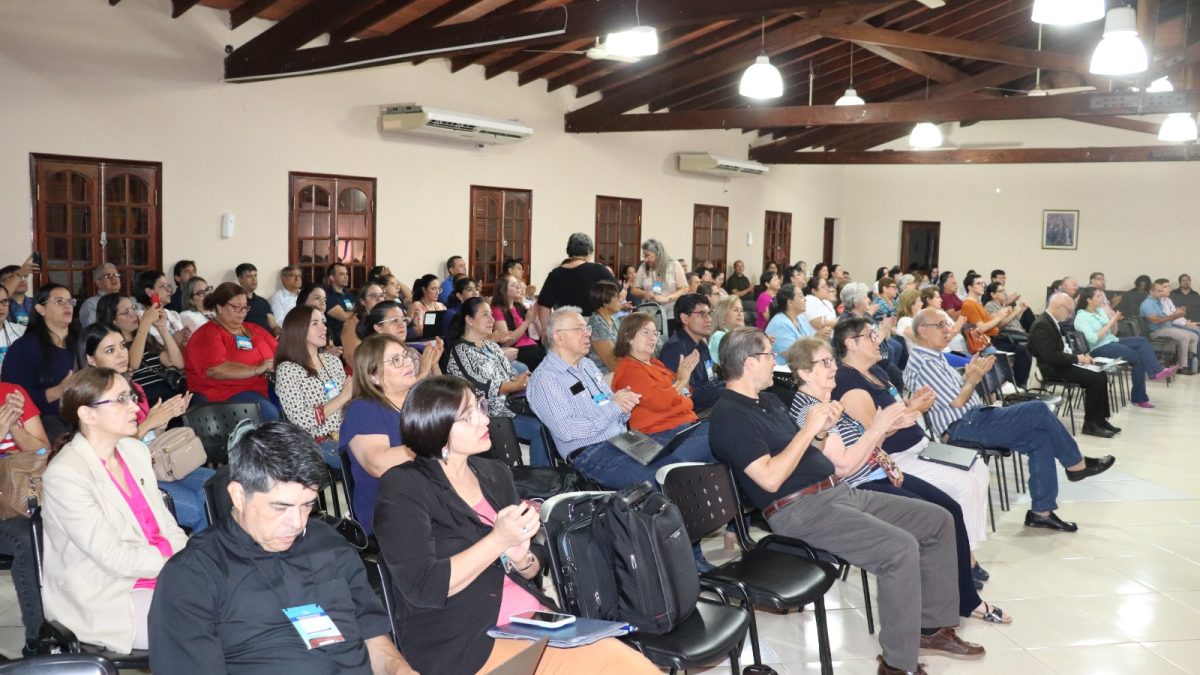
{"points": [[931, 329], [1060, 306]]}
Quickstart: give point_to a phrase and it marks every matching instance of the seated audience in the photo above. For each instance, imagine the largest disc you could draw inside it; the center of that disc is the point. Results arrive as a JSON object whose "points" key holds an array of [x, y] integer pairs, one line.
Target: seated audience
{"points": [[193, 314], [388, 318], [228, 359], [951, 302], [147, 355], [425, 294], [885, 299], [183, 271], [1168, 322], [770, 283], [456, 267], [738, 285], [787, 323], [339, 303], [464, 289], [907, 543], [368, 296], [727, 315], [582, 412], [973, 310], [1100, 330], [385, 370], [20, 305], [628, 274], [458, 544], [997, 299], [311, 386], [9, 332], [394, 289], [958, 416], [108, 280], [513, 323], [907, 306], [151, 289], [1057, 359], [234, 599], [481, 362], [42, 358], [603, 322], [695, 326], [103, 547], [100, 345], [659, 279], [857, 303], [570, 284], [664, 405], [956, 353], [260, 309], [284, 299], [818, 305]]}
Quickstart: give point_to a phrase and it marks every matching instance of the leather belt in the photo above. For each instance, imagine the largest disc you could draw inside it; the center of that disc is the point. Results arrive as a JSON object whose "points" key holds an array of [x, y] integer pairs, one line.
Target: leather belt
{"points": [[813, 489]]}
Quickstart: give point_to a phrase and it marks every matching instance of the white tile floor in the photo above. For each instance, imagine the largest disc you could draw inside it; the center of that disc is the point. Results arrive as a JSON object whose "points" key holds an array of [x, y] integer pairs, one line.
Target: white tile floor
{"points": [[1120, 596]]}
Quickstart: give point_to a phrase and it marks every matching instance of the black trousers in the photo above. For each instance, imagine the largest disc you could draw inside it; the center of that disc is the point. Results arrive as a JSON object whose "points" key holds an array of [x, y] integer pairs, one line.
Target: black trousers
{"points": [[1095, 390]]}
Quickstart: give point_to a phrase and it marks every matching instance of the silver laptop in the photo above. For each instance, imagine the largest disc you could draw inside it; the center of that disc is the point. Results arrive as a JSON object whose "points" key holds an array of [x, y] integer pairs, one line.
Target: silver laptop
{"points": [[950, 455], [646, 450]]}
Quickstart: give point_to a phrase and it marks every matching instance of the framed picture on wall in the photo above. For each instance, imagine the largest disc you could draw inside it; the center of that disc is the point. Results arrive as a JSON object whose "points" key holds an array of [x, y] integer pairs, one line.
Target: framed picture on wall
{"points": [[1060, 229]]}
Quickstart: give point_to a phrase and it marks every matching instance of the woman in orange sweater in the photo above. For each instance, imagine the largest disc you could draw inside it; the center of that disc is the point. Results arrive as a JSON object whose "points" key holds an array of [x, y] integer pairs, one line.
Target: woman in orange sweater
{"points": [[664, 404]]}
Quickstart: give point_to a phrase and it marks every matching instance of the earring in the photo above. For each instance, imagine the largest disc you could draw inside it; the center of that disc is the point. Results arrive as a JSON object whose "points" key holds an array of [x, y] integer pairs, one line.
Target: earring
{"points": [[445, 454]]}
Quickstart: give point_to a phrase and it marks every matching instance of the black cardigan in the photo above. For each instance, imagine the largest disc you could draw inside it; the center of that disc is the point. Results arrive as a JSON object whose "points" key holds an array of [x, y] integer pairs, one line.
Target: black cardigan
{"points": [[421, 522]]}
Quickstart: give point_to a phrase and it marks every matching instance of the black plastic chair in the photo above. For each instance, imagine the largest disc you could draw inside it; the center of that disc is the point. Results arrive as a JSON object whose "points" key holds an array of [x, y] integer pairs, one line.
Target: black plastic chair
{"points": [[213, 424], [60, 664], [54, 637], [217, 503], [707, 496], [347, 479]]}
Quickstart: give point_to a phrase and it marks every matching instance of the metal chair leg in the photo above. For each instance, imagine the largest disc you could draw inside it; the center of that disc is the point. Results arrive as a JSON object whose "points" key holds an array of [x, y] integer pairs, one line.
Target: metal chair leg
{"points": [[823, 650], [867, 602]]}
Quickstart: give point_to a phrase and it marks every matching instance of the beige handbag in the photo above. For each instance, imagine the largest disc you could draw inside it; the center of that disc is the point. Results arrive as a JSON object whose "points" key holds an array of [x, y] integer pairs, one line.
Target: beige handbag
{"points": [[20, 479], [175, 453]]}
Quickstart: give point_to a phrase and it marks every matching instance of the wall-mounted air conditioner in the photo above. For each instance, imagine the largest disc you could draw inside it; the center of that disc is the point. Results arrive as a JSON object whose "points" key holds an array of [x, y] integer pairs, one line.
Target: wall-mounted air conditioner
{"points": [[708, 163], [445, 124]]}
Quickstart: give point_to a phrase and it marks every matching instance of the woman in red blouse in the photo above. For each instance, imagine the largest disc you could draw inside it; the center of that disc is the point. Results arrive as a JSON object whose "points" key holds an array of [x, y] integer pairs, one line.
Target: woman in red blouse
{"points": [[228, 358]]}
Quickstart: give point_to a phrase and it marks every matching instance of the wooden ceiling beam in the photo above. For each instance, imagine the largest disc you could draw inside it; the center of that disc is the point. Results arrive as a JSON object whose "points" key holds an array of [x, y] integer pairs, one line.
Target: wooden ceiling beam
{"points": [[960, 48], [534, 57], [1115, 122], [248, 10], [178, 7], [918, 62], [362, 22], [1145, 153], [271, 54]]}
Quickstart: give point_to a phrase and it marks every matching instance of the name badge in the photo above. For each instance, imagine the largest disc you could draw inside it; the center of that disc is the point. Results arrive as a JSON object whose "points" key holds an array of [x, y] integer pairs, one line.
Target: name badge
{"points": [[656, 288], [331, 390], [243, 343], [601, 399], [895, 394], [23, 319], [348, 304], [314, 626], [3, 351], [708, 368]]}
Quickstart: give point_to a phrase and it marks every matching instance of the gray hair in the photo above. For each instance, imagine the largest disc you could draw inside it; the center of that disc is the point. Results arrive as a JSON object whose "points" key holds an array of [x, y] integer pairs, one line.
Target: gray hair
{"points": [[926, 317], [102, 269], [277, 452], [853, 292], [579, 245], [738, 345], [662, 263], [905, 279], [556, 319]]}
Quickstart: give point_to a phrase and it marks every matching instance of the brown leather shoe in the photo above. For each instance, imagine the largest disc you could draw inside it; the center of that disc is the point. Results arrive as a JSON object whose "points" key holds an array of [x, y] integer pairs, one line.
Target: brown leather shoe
{"points": [[885, 669], [948, 642]]}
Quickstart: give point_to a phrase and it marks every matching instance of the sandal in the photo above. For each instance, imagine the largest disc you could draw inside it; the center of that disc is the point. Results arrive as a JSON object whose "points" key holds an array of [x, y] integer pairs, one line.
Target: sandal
{"points": [[991, 614]]}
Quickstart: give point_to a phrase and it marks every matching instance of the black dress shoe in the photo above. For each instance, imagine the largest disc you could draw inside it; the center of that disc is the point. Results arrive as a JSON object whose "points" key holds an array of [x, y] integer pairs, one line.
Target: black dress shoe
{"points": [[1092, 429], [1050, 522], [1106, 425], [1091, 467]]}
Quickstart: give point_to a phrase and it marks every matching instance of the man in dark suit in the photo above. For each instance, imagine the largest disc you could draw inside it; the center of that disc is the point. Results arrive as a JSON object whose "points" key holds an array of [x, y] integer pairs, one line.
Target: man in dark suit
{"points": [[1056, 358]]}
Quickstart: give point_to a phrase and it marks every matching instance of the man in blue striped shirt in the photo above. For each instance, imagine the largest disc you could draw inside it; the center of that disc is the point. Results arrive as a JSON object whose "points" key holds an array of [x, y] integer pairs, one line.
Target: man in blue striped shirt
{"points": [[959, 416]]}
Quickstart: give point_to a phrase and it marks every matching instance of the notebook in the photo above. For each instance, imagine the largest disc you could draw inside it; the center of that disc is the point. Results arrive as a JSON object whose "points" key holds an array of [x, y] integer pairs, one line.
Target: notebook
{"points": [[524, 662], [583, 631], [949, 455], [646, 450]]}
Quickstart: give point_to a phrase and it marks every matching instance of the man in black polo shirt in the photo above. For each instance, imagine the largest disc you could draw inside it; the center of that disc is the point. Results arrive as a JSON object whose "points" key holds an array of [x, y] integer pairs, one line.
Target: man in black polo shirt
{"points": [[696, 325], [908, 544], [266, 591], [339, 302], [737, 283], [260, 308]]}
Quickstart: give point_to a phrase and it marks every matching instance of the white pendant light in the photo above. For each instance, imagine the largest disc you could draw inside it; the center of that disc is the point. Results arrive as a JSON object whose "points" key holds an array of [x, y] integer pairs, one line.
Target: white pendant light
{"points": [[925, 135], [851, 96], [1067, 12], [634, 43], [761, 80], [1160, 86], [1178, 128], [1121, 51]]}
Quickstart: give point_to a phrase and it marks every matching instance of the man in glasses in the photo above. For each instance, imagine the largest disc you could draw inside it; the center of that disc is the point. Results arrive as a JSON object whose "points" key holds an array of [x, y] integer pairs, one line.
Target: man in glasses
{"points": [[959, 416], [696, 323], [284, 299], [108, 280]]}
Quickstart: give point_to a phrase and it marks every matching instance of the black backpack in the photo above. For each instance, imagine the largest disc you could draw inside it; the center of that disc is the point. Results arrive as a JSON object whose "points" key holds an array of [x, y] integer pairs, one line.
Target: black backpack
{"points": [[644, 541]]}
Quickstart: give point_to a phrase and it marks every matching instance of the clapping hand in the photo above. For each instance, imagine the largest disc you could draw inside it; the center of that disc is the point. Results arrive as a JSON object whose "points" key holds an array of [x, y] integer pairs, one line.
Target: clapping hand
{"points": [[979, 366], [516, 524], [626, 399], [821, 417], [686, 365]]}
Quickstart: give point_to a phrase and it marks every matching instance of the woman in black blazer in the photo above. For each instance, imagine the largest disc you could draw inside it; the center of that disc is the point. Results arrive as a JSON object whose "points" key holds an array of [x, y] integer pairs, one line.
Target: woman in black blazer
{"points": [[457, 542]]}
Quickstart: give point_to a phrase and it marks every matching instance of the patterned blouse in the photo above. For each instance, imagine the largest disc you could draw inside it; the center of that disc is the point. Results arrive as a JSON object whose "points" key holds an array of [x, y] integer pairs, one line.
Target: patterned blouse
{"points": [[301, 393], [484, 366], [850, 430]]}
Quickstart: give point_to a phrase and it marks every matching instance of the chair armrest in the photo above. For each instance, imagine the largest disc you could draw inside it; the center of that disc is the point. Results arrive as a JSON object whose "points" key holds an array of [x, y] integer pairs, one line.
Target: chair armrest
{"points": [[791, 545], [708, 586], [54, 637]]}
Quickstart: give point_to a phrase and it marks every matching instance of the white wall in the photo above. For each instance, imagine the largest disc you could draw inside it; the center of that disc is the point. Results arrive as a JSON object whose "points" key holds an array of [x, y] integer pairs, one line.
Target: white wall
{"points": [[83, 78]]}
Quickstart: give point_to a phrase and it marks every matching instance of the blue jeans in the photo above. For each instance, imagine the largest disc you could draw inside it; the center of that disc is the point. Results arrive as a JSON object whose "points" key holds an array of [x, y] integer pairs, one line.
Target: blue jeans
{"points": [[1028, 428], [268, 410], [613, 469], [188, 493], [1138, 352], [529, 429], [15, 542], [519, 367]]}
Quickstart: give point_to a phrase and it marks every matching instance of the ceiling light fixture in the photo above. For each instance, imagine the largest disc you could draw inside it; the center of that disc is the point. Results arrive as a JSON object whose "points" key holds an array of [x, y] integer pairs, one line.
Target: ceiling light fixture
{"points": [[926, 134], [1120, 51], [762, 80], [633, 43], [1067, 12], [1178, 128], [851, 96], [1160, 86]]}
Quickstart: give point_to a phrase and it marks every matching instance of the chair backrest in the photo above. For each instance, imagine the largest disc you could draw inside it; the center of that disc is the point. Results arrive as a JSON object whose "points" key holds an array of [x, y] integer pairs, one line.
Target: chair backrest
{"points": [[61, 664], [706, 497], [347, 479], [217, 503], [1078, 342], [214, 422], [555, 458], [656, 312], [506, 447], [385, 594]]}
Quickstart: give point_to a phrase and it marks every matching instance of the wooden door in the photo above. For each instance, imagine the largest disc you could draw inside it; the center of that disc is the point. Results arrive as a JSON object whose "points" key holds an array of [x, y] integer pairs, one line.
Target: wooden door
{"points": [[919, 244], [710, 235], [500, 229], [332, 220], [618, 232], [777, 239], [827, 243]]}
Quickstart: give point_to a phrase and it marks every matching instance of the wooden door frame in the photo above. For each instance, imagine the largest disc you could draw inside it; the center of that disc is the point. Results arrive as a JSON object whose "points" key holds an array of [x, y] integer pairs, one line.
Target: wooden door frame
{"points": [[909, 226], [596, 226], [526, 253], [827, 241], [766, 239]]}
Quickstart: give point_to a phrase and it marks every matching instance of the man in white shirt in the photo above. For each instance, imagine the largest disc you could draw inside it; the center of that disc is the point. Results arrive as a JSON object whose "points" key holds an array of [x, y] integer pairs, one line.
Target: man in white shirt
{"points": [[108, 280], [284, 299]]}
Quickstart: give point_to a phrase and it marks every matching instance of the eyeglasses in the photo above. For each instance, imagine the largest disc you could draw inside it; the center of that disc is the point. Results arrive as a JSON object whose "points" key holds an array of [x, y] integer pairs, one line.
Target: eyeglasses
{"points": [[943, 325], [200, 293], [702, 315], [124, 399], [240, 309], [400, 360], [109, 276], [585, 330], [374, 296], [874, 335], [475, 413], [62, 302], [127, 312], [827, 361], [402, 319], [165, 287], [758, 354]]}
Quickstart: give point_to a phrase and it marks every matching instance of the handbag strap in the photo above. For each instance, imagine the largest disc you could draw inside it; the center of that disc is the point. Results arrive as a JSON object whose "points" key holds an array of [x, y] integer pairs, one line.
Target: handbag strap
{"points": [[480, 388]]}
